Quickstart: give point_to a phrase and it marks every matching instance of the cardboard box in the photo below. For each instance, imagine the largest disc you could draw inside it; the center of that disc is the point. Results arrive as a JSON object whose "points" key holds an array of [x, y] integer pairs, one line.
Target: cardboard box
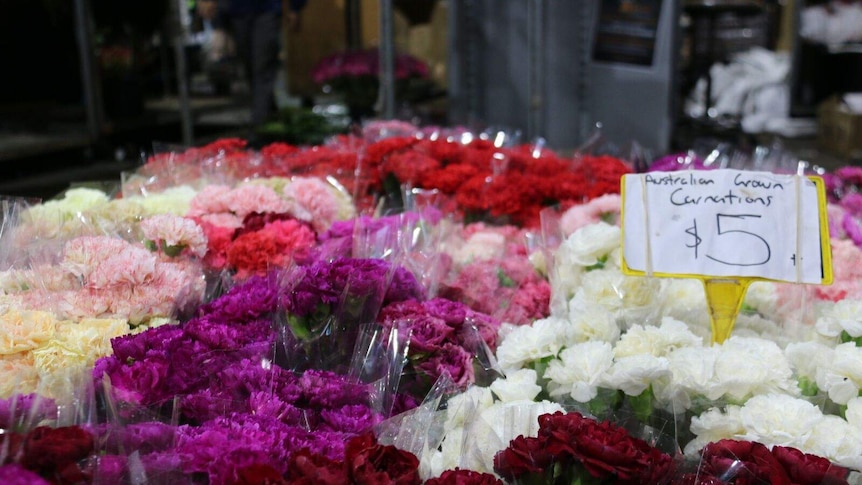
{"points": [[839, 125]]}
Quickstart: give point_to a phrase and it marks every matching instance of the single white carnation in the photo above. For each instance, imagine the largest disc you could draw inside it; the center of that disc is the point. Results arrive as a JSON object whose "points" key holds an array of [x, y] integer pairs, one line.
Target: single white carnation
{"points": [[779, 419], [837, 440], [762, 297], [692, 374], [579, 369], [517, 386], [590, 243], [714, 425], [634, 374], [844, 315], [685, 300], [590, 321], [843, 379], [482, 245], [657, 341], [466, 405], [527, 343], [750, 366], [809, 358]]}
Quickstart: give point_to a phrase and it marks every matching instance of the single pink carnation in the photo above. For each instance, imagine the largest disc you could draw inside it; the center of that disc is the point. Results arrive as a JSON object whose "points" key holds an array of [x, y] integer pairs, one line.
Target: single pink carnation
{"points": [[211, 199], [316, 197], [176, 231], [251, 198]]}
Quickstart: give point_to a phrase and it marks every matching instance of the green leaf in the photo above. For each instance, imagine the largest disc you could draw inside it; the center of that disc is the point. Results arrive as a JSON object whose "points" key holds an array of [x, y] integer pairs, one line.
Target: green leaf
{"points": [[599, 264], [299, 327], [809, 387], [504, 279], [642, 404], [846, 337]]}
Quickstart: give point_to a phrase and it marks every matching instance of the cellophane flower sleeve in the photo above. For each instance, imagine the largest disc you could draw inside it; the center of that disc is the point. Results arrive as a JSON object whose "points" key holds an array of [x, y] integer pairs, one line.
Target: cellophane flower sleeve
{"points": [[378, 359]]}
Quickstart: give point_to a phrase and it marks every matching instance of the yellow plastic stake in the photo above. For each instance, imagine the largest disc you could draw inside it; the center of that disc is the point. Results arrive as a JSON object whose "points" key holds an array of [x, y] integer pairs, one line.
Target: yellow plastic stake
{"points": [[724, 298]]}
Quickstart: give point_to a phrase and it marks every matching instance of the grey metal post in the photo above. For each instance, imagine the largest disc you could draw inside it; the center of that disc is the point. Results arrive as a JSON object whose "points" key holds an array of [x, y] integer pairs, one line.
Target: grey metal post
{"points": [[353, 23], [179, 40], [387, 60], [536, 67], [89, 80]]}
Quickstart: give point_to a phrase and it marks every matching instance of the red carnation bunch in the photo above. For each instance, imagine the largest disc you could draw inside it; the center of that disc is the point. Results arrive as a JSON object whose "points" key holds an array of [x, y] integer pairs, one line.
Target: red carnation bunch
{"points": [[571, 448]]}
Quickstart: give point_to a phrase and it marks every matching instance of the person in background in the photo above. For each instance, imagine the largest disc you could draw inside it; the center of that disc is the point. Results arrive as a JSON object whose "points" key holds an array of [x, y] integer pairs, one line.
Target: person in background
{"points": [[256, 28]]}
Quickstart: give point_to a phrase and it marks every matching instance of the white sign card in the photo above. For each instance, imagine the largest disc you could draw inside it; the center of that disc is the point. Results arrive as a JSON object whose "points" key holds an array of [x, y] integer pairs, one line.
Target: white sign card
{"points": [[726, 223]]}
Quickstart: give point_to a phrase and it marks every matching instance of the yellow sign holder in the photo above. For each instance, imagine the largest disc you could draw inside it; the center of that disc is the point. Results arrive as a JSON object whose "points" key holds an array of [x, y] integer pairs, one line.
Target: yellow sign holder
{"points": [[724, 295]]}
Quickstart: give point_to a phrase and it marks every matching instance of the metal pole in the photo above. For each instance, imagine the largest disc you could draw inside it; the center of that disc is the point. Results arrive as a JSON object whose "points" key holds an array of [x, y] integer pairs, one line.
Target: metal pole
{"points": [[89, 81], [536, 68], [179, 40], [353, 23], [387, 60]]}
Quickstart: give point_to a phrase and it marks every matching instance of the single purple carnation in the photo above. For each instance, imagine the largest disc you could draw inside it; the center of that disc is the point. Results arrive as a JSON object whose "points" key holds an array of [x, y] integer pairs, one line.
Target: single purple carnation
{"points": [[404, 286], [329, 390], [14, 474], [487, 326], [452, 360], [452, 312], [152, 341], [265, 403], [248, 301], [222, 336], [325, 443], [111, 469], [428, 334], [33, 407], [353, 418], [146, 437]]}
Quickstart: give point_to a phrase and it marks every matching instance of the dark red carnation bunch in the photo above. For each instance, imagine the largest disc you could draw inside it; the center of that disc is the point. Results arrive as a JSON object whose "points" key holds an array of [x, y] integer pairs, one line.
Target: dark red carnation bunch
{"points": [[746, 462], [365, 461], [464, 477], [571, 446], [55, 454]]}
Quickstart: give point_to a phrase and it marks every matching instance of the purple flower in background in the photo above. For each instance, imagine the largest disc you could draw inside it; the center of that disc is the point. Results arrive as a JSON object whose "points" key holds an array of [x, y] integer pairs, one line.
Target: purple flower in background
{"points": [[677, 161], [852, 202], [14, 474], [852, 228], [32, 407], [850, 174]]}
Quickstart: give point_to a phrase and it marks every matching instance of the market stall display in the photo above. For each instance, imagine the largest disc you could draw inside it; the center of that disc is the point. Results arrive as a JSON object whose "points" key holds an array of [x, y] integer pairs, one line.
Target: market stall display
{"points": [[403, 306]]}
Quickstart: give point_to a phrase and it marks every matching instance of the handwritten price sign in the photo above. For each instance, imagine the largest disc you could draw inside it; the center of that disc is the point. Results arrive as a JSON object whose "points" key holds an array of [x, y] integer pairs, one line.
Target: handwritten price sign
{"points": [[726, 223]]}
